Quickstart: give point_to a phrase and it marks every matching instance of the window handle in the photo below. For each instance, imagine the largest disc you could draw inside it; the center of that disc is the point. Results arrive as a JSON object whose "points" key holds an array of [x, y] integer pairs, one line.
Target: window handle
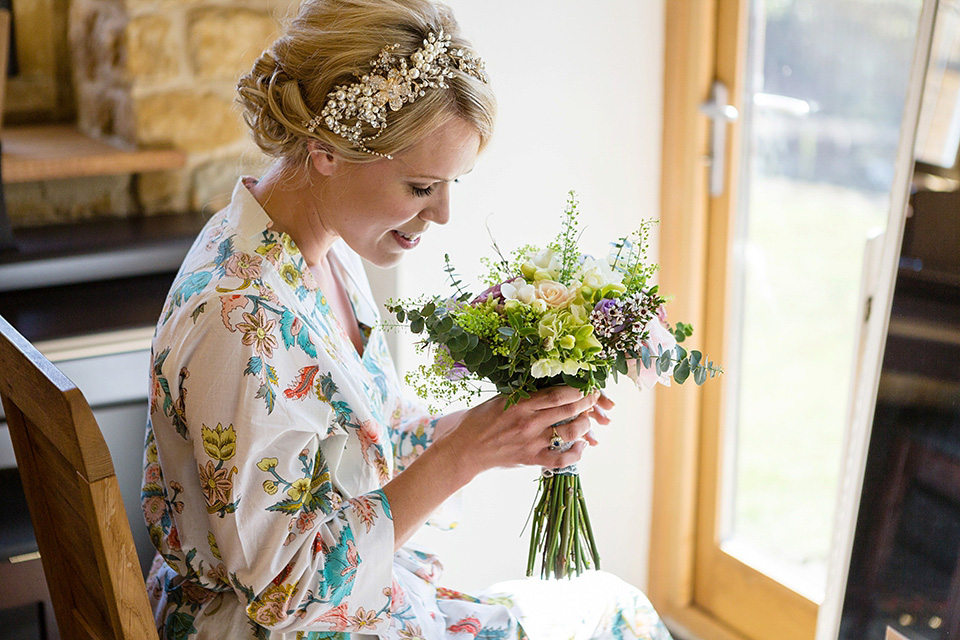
{"points": [[720, 113]]}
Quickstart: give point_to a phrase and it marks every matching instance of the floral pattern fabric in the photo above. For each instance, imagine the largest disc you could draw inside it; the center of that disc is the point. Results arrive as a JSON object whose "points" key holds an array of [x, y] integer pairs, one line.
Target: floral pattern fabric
{"points": [[268, 443]]}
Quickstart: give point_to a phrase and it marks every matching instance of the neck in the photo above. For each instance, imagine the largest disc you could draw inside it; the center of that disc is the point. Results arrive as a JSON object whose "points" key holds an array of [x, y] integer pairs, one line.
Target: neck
{"points": [[294, 206]]}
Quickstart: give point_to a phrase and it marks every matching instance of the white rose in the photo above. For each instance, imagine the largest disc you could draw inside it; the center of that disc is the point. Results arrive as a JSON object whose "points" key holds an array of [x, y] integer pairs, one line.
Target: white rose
{"points": [[543, 266], [596, 274]]}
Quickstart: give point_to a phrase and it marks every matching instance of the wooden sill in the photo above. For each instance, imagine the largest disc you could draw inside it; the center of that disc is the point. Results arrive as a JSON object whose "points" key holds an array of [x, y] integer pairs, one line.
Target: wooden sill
{"points": [[51, 152]]}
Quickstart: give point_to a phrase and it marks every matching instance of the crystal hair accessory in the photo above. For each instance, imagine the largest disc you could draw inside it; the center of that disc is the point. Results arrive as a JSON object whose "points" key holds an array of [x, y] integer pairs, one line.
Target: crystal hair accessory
{"points": [[392, 82]]}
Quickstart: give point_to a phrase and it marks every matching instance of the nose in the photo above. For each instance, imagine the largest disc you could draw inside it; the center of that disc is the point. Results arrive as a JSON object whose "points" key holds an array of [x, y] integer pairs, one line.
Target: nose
{"points": [[438, 209]]}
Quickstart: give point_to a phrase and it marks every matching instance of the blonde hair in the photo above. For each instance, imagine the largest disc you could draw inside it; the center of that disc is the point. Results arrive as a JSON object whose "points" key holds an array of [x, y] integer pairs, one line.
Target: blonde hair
{"points": [[332, 42]]}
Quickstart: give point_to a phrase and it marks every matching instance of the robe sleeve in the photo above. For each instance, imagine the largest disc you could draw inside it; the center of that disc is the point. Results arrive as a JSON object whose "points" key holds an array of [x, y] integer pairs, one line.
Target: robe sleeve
{"points": [[249, 440], [411, 433]]}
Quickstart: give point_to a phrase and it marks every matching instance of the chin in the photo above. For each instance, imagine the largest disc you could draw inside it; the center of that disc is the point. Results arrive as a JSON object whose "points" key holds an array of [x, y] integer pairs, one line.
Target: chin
{"points": [[384, 262]]}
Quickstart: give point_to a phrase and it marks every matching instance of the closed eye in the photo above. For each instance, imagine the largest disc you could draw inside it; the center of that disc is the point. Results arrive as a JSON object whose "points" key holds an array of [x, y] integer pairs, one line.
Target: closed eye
{"points": [[422, 192]]}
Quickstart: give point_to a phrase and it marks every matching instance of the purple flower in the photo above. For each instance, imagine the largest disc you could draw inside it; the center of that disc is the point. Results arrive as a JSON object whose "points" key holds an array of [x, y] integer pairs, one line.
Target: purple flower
{"points": [[455, 370], [605, 306], [610, 316], [493, 291], [458, 372]]}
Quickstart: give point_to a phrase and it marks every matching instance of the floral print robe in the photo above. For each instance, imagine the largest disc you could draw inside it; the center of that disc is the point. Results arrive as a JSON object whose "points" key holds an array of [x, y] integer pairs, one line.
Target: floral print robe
{"points": [[268, 443]]}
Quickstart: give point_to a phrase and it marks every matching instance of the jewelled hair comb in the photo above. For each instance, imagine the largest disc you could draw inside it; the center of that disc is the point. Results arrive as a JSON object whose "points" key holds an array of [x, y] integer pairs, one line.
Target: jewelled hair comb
{"points": [[392, 82]]}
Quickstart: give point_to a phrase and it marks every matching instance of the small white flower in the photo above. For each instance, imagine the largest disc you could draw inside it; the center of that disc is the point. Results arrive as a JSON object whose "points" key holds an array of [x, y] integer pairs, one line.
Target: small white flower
{"points": [[524, 293]]}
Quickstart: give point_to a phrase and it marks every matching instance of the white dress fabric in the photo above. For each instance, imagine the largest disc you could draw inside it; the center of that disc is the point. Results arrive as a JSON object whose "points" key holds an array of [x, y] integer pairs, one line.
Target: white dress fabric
{"points": [[268, 443]]}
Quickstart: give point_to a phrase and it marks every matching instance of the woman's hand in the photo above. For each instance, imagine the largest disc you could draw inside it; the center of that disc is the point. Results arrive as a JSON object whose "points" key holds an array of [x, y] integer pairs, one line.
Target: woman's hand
{"points": [[488, 436]]}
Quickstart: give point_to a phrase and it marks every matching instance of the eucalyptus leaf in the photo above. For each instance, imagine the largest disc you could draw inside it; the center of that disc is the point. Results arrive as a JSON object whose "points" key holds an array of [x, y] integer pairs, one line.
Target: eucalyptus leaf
{"points": [[488, 367], [700, 375], [473, 357], [663, 362], [621, 363], [446, 324], [644, 357]]}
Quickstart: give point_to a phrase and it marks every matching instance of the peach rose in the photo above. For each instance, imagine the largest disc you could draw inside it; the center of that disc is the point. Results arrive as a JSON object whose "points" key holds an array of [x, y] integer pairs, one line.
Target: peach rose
{"points": [[555, 294]]}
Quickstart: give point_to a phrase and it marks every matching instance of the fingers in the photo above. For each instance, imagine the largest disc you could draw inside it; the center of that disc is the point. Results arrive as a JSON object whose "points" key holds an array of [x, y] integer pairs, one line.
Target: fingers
{"points": [[605, 402], [569, 410], [546, 399], [599, 415]]}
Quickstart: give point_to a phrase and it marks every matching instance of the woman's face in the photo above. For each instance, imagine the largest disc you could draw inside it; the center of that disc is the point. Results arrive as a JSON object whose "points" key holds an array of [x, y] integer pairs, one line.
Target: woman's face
{"points": [[382, 208]]}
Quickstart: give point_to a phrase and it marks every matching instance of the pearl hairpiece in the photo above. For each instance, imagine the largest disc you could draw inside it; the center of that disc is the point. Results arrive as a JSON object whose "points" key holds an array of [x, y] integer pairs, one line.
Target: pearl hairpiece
{"points": [[392, 82]]}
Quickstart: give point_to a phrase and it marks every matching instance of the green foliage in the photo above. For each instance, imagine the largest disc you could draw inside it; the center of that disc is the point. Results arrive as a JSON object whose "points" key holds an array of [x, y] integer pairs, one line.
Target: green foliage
{"points": [[565, 244], [452, 275], [682, 331], [503, 268], [631, 258]]}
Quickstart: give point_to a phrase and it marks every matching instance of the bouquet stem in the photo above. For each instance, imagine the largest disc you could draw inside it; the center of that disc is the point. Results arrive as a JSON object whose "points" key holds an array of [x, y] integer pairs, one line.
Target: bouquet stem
{"points": [[561, 533]]}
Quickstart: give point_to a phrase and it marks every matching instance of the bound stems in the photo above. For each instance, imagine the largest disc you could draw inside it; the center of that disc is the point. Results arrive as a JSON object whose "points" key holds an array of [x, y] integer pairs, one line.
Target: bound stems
{"points": [[561, 532]]}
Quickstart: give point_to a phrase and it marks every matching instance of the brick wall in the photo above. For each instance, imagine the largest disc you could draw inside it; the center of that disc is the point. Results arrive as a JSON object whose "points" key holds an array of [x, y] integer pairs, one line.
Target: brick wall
{"points": [[158, 73]]}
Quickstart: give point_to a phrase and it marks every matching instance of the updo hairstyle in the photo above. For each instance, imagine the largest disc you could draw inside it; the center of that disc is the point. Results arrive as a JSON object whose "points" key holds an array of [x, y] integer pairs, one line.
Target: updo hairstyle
{"points": [[333, 42]]}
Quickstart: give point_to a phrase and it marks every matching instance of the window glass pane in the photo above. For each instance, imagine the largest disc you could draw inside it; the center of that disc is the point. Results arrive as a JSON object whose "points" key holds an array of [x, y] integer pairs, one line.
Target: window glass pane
{"points": [[826, 84]]}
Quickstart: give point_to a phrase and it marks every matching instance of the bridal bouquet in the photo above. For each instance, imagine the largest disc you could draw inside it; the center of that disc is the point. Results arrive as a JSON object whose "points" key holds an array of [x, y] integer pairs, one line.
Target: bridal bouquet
{"points": [[550, 316]]}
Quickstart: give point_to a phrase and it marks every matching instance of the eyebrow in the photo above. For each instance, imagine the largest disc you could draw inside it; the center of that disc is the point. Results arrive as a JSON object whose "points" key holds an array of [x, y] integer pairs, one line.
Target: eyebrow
{"points": [[436, 178]]}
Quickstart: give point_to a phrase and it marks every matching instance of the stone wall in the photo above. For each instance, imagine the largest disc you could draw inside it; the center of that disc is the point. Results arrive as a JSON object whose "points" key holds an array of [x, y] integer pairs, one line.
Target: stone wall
{"points": [[158, 73]]}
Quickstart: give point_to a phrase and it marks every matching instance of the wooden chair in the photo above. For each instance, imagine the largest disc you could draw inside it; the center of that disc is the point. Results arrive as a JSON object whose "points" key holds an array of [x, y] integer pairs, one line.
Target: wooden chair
{"points": [[82, 532]]}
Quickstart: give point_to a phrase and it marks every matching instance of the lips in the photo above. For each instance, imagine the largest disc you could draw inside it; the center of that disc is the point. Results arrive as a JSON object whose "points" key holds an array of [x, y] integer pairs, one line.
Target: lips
{"points": [[405, 240]]}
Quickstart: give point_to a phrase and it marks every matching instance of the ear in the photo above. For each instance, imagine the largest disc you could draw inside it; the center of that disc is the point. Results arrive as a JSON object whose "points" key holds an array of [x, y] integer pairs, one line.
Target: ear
{"points": [[323, 159]]}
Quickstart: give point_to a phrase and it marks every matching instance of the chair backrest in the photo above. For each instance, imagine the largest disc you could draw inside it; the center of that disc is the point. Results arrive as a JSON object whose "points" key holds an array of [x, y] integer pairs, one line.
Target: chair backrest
{"points": [[86, 547]]}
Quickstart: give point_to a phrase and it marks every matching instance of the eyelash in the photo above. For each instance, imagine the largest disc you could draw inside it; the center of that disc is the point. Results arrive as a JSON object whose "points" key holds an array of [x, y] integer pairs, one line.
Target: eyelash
{"points": [[421, 192]]}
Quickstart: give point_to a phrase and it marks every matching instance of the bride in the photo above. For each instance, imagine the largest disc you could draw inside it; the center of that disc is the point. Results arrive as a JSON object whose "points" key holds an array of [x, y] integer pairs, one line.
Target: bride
{"points": [[284, 469]]}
